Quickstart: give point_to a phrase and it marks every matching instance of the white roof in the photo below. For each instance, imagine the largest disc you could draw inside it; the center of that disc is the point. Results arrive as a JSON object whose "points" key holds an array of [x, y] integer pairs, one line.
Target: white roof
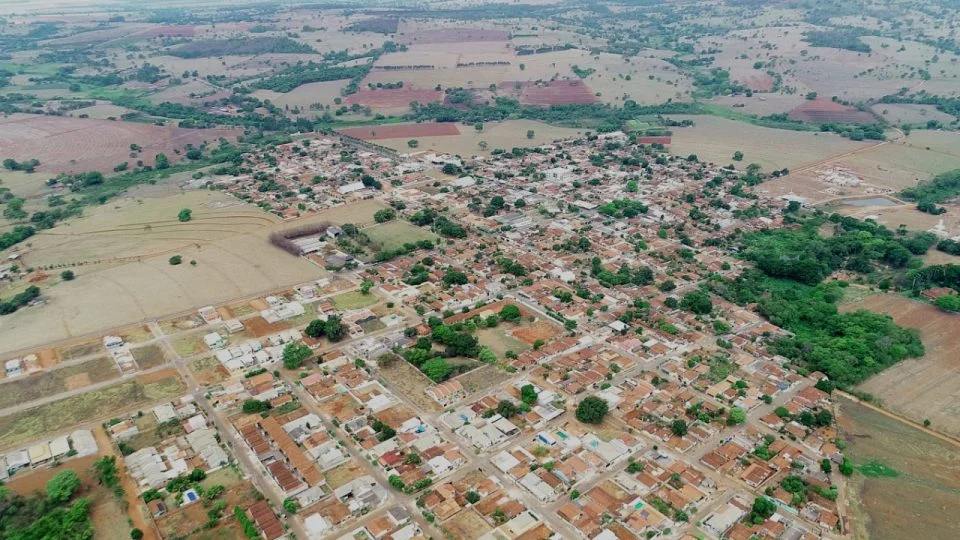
{"points": [[504, 461], [83, 442]]}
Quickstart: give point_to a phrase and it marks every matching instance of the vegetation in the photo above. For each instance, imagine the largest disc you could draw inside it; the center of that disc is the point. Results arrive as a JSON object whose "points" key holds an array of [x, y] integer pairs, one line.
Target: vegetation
{"points": [[294, 355], [592, 410], [240, 46], [50, 516], [941, 188]]}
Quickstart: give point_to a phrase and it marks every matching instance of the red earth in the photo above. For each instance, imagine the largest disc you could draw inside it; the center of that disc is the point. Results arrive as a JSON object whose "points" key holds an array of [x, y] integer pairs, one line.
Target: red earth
{"points": [[551, 93], [383, 98], [825, 110], [402, 131], [655, 140]]}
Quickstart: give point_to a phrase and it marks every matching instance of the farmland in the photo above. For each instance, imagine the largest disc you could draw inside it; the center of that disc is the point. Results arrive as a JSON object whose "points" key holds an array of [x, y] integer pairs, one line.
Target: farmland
{"points": [[925, 388], [93, 145], [504, 135], [927, 478]]}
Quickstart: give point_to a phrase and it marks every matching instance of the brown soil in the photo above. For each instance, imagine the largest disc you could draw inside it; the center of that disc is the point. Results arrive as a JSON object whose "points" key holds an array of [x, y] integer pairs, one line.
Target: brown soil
{"points": [[825, 110], [404, 131], [77, 381], [540, 330], [455, 35], [158, 376]]}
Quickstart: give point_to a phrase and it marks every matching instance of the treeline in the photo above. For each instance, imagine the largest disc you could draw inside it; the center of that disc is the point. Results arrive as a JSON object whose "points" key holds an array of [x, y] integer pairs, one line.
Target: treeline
{"points": [[285, 239], [15, 236], [53, 514], [19, 300], [837, 38], [941, 188], [311, 72], [525, 50], [949, 105]]}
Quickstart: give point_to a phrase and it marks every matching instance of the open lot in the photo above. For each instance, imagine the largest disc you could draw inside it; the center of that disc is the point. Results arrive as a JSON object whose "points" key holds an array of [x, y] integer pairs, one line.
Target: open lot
{"points": [[913, 503], [58, 416], [409, 381], [64, 144], [396, 233], [354, 300], [927, 387], [50, 383]]}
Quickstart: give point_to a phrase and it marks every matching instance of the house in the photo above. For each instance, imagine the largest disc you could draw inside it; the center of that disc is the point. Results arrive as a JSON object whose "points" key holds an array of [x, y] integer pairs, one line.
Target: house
{"points": [[214, 340], [447, 393]]}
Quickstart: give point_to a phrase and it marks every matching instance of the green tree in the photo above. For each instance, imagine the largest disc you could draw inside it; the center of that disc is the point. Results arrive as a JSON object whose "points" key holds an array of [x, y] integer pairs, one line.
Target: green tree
{"points": [[736, 416], [738, 156], [290, 506], [62, 486], [294, 354], [697, 302], [507, 409], [437, 369], [162, 162], [762, 509], [365, 286], [334, 328], [510, 313], [528, 394], [478, 126], [826, 466], [185, 215], [175, 260], [679, 427], [384, 215], [316, 329], [530, 134], [136, 534], [67, 275], [413, 143], [592, 410]]}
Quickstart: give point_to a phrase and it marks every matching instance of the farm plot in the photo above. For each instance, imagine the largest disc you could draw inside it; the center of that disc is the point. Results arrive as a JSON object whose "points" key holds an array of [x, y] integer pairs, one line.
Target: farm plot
{"points": [[50, 383], [397, 233], [544, 94], [393, 98], [192, 92], [453, 35], [305, 95], [715, 140], [907, 113], [123, 252], [65, 144], [901, 164], [911, 503], [403, 131], [822, 110], [928, 387], [505, 135], [17, 428]]}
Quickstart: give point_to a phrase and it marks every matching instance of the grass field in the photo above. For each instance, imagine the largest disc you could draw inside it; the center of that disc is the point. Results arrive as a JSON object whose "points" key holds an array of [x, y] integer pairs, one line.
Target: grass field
{"points": [[52, 418], [396, 233], [410, 382], [927, 482], [505, 135], [498, 340], [51, 383], [354, 300]]}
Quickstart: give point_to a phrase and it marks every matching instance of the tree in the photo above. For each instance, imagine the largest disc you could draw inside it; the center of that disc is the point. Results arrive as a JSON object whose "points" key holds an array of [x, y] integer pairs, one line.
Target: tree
{"points": [[437, 369], [396, 482], [413, 143], [762, 509], [736, 416], [365, 286], [67, 275], [334, 328], [510, 313], [185, 215], [478, 126], [290, 506], [846, 467], [826, 466], [530, 134], [679, 427], [294, 354], [162, 162], [62, 486], [384, 215], [454, 277], [507, 409], [738, 156], [175, 260], [472, 497], [697, 302], [136, 534], [316, 329], [528, 394], [592, 410]]}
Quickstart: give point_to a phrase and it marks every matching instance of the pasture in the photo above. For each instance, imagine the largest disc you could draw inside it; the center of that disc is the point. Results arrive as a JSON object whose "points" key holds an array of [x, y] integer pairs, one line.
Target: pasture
{"points": [[505, 135]]}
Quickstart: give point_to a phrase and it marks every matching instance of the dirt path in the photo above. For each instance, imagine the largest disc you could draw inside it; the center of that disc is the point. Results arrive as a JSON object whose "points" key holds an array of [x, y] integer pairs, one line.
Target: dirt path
{"points": [[901, 419], [150, 531]]}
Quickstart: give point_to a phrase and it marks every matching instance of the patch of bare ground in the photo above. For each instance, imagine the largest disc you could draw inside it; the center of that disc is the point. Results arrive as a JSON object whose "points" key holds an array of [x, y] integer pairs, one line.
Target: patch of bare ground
{"points": [[926, 388]]}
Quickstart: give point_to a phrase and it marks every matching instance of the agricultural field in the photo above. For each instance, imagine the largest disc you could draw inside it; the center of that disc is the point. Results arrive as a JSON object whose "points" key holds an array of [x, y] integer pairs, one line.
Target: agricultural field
{"points": [[395, 234], [74, 145], [926, 480], [303, 96], [505, 135], [716, 139], [924, 388], [68, 413], [900, 114], [120, 253]]}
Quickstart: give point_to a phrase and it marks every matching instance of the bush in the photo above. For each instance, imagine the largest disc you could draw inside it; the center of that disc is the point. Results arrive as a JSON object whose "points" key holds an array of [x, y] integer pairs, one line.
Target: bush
{"points": [[67, 275], [175, 260]]}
